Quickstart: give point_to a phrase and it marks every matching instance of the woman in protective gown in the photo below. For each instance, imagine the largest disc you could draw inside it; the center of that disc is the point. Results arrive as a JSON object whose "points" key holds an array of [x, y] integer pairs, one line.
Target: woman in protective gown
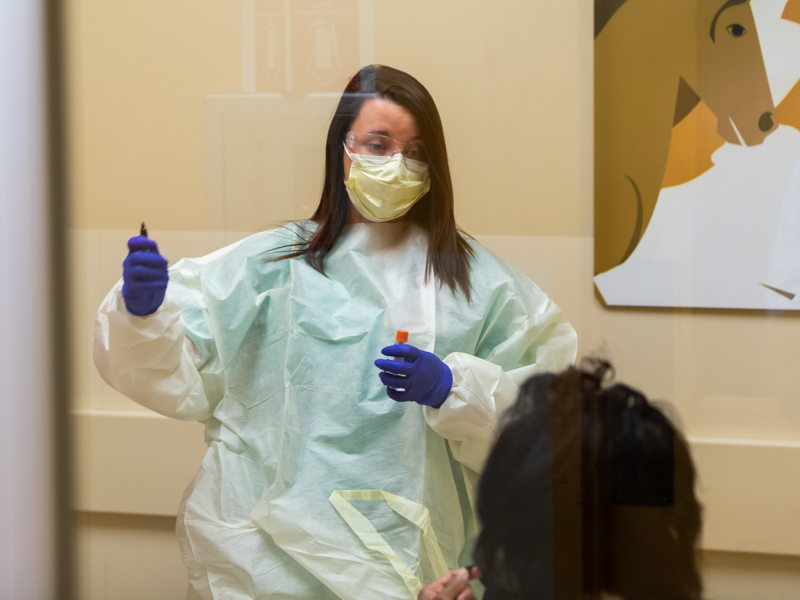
{"points": [[324, 476]]}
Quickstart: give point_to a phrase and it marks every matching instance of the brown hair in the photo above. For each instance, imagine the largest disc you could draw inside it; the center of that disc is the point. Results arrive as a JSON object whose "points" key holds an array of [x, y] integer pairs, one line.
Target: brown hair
{"points": [[448, 252], [589, 489]]}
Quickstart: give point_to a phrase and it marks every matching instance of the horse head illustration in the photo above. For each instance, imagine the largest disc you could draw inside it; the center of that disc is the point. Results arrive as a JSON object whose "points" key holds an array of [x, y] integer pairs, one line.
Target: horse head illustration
{"points": [[654, 61], [729, 74]]}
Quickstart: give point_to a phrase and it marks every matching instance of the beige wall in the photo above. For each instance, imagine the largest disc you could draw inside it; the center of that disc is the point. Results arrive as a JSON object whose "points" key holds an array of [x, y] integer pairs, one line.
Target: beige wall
{"points": [[513, 82], [128, 557]]}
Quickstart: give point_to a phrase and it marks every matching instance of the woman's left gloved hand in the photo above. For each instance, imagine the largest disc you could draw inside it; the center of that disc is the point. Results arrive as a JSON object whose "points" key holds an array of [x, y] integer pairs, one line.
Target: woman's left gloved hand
{"points": [[420, 377]]}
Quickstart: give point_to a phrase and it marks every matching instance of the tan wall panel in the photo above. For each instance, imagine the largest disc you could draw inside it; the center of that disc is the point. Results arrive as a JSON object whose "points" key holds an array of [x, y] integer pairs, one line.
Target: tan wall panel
{"points": [[136, 463], [749, 491], [140, 463], [513, 82], [736, 576], [132, 557], [138, 73], [128, 557]]}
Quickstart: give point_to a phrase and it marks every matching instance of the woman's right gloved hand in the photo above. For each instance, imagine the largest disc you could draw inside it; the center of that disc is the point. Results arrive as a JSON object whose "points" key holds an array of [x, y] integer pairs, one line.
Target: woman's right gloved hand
{"points": [[144, 277]]}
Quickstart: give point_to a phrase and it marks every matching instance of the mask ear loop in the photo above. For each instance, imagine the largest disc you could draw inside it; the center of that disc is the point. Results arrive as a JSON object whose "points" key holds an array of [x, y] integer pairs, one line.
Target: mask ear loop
{"points": [[350, 156]]}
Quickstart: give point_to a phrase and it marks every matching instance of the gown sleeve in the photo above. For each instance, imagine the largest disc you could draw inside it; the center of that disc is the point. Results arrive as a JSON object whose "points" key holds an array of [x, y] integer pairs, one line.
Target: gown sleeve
{"points": [[173, 360], [152, 360], [524, 333]]}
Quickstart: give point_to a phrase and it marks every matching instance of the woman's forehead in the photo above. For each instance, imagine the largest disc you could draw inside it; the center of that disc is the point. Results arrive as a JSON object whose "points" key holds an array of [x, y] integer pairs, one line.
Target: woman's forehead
{"points": [[387, 118]]}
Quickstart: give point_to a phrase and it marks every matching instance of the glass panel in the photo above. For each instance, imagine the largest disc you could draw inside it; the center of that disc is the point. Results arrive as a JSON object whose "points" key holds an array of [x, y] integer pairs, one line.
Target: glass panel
{"points": [[638, 163]]}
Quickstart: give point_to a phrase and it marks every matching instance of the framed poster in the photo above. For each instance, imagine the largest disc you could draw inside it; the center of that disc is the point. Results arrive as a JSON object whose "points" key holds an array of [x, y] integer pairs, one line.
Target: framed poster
{"points": [[697, 153]]}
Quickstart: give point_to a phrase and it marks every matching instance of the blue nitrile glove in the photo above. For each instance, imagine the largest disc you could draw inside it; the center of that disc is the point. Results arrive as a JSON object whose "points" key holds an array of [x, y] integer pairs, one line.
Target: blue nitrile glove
{"points": [[423, 378], [144, 277]]}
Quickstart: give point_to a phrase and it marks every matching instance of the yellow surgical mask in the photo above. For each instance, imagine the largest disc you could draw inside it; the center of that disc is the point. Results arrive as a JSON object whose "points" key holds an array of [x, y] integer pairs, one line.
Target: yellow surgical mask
{"points": [[383, 188]]}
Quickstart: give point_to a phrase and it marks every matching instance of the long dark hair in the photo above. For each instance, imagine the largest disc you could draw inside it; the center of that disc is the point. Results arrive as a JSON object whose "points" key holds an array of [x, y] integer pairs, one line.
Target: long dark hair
{"points": [[448, 252], [588, 489]]}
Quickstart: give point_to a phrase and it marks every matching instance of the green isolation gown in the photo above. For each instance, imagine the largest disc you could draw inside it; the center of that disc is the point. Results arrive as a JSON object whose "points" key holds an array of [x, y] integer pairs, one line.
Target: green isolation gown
{"points": [[315, 483]]}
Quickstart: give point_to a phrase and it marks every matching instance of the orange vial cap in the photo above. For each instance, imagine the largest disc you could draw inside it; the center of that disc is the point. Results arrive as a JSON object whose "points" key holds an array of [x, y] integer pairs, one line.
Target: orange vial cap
{"points": [[402, 336]]}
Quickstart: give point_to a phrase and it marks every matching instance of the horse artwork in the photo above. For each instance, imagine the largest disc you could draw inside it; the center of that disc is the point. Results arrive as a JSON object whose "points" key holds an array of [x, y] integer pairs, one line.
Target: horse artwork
{"points": [[669, 228]]}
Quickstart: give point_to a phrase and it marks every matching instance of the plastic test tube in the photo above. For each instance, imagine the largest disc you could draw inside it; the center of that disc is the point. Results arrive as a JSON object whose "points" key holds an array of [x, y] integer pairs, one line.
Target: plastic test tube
{"points": [[401, 338]]}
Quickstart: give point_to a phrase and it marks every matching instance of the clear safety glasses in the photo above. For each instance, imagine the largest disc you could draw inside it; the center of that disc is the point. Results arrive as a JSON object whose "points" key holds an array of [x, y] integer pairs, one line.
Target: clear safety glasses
{"points": [[383, 148]]}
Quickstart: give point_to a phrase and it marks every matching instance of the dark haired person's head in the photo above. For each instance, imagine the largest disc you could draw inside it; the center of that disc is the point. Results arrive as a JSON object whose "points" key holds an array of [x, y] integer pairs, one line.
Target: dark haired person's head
{"points": [[588, 491], [448, 252]]}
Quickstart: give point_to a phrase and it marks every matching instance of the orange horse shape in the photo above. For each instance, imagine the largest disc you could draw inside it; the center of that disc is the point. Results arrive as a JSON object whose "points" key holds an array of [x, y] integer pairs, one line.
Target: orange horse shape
{"points": [[654, 61]]}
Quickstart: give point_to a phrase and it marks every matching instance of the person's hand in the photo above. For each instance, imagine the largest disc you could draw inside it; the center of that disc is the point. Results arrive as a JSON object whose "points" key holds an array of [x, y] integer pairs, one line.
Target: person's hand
{"points": [[453, 586], [144, 277], [420, 377]]}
